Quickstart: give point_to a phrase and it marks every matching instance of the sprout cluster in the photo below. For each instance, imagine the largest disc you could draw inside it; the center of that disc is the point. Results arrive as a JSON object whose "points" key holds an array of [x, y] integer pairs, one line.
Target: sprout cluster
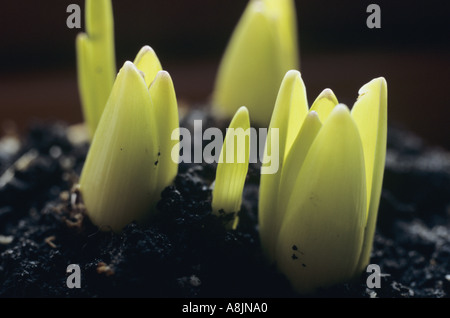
{"points": [[317, 213]]}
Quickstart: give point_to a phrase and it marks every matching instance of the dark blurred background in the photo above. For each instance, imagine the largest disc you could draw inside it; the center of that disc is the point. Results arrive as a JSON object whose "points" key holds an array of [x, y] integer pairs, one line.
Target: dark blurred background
{"points": [[337, 50]]}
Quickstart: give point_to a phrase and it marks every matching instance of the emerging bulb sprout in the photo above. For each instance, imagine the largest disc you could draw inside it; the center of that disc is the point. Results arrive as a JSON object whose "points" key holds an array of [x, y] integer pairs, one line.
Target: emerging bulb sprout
{"points": [[96, 60], [318, 213], [262, 49], [232, 168], [129, 162]]}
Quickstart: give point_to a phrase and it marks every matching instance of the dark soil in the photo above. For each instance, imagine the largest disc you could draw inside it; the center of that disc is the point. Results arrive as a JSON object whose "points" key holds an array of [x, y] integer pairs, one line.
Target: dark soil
{"points": [[185, 251]]}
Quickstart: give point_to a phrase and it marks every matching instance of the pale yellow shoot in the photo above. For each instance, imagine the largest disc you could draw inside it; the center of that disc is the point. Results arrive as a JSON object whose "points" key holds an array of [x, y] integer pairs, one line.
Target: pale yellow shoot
{"points": [[148, 63], [321, 236], [260, 52], [96, 60], [291, 107], [165, 103], [370, 115], [232, 169], [118, 180], [284, 17], [165, 112], [324, 104], [84, 58]]}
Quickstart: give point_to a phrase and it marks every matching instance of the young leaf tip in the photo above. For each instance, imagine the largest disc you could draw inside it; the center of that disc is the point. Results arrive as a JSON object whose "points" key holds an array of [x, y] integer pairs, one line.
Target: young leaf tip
{"points": [[313, 113], [148, 63], [129, 69], [163, 76], [341, 108], [367, 87], [328, 94], [242, 113], [146, 49], [293, 74], [128, 65]]}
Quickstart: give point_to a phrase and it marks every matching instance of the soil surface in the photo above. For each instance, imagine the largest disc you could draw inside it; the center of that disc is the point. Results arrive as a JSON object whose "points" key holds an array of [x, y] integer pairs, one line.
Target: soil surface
{"points": [[185, 251]]}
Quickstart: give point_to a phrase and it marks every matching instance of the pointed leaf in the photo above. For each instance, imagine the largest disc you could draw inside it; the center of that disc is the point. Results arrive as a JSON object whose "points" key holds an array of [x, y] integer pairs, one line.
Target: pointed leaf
{"points": [[291, 107], [324, 104], [98, 67], [252, 67], [148, 63], [85, 83], [119, 178], [370, 115], [232, 167], [165, 106], [283, 14], [321, 236]]}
